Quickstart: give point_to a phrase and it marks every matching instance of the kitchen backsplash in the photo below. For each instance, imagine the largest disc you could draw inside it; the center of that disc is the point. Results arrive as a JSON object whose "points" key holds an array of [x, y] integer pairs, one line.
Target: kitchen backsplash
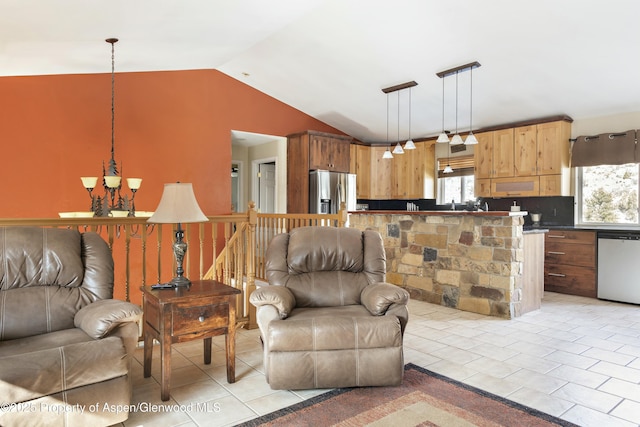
{"points": [[556, 210]]}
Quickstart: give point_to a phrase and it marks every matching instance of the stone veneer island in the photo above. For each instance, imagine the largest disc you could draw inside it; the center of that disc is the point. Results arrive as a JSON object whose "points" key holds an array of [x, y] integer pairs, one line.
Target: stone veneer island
{"points": [[482, 262]]}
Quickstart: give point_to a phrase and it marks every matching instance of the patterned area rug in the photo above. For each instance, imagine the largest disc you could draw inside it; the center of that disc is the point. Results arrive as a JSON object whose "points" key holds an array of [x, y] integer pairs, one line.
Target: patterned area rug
{"points": [[424, 399]]}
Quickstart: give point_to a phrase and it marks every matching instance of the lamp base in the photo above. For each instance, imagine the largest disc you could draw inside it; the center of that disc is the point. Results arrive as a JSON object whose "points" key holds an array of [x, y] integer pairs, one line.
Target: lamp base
{"points": [[180, 281]]}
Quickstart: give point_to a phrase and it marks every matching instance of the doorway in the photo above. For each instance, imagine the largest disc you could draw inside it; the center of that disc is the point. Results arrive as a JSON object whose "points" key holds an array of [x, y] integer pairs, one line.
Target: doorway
{"points": [[265, 186]]}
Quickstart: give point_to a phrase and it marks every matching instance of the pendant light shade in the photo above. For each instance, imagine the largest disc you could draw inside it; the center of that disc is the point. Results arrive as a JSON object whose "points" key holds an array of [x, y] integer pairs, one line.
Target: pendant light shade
{"points": [[409, 144], [447, 169], [387, 154], [398, 149]]}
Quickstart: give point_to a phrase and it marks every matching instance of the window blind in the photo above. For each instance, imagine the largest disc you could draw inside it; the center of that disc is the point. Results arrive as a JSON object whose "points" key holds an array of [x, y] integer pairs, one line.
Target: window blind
{"points": [[461, 165]]}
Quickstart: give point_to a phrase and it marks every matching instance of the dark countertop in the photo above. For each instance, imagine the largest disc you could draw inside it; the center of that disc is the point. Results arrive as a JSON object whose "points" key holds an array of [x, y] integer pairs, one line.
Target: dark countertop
{"points": [[443, 213]]}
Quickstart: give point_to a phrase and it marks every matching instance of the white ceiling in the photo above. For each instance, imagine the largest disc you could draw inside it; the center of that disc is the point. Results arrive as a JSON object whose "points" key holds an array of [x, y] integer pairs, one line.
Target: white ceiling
{"points": [[331, 58]]}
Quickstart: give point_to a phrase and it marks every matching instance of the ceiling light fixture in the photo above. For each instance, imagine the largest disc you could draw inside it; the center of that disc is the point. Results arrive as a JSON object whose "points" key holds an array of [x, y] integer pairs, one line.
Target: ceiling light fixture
{"points": [[471, 138], [108, 205], [409, 145], [387, 154], [457, 140], [443, 137], [398, 148]]}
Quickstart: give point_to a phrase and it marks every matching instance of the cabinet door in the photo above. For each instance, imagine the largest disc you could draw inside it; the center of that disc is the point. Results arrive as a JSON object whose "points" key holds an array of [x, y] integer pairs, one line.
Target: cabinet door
{"points": [[525, 151], [553, 147], [554, 185], [503, 153], [380, 174], [297, 174], [429, 169], [482, 155], [363, 171], [408, 174], [515, 187], [482, 188], [327, 153]]}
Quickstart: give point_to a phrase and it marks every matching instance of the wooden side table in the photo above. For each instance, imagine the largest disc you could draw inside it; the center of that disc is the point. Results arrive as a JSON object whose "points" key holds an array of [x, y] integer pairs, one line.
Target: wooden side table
{"points": [[204, 310]]}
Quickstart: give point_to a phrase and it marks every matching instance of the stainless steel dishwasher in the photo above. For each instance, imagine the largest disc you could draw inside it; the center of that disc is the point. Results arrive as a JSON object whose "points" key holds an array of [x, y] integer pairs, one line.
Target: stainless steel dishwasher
{"points": [[619, 266]]}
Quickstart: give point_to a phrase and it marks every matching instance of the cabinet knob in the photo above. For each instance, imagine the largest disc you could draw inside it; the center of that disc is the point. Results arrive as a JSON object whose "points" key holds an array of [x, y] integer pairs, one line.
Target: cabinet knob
{"points": [[201, 319]]}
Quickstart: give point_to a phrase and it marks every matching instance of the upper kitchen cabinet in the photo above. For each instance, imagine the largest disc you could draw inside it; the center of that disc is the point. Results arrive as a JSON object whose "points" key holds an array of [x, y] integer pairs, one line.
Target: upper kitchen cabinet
{"points": [[528, 160], [329, 152], [405, 176], [308, 151]]}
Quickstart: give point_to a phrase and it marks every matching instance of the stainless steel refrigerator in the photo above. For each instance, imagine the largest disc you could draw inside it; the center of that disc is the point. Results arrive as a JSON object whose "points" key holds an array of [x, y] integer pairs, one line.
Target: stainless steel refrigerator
{"points": [[328, 189]]}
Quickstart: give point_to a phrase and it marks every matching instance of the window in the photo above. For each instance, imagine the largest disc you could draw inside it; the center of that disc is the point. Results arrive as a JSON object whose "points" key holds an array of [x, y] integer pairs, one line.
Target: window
{"points": [[457, 185], [608, 194]]}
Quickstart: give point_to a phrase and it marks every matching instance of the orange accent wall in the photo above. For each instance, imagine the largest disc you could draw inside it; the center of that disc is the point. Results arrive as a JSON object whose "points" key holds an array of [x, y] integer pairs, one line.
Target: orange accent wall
{"points": [[169, 126]]}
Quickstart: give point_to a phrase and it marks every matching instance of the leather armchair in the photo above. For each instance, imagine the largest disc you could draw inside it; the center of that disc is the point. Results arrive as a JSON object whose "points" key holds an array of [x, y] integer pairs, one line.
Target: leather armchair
{"points": [[65, 345], [327, 318]]}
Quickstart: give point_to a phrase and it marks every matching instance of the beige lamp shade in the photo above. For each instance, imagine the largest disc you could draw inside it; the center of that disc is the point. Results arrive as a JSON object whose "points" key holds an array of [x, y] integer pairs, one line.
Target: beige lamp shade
{"points": [[134, 183], [89, 181], [112, 181], [178, 205]]}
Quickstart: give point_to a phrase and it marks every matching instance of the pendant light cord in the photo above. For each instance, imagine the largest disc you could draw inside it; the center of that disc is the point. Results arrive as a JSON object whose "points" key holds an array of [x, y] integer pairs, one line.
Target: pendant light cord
{"points": [[113, 96], [456, 102], [471, 102], [442, 104]]}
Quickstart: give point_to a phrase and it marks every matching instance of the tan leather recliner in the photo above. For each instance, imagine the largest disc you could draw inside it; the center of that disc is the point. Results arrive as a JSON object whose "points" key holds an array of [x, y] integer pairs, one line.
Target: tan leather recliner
{"points": [[327, 318], [65, 345]]}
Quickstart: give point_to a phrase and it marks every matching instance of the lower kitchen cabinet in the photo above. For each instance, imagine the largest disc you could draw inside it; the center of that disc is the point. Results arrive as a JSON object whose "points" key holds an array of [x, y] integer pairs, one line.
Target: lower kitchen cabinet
{"points": [[570, 262]]}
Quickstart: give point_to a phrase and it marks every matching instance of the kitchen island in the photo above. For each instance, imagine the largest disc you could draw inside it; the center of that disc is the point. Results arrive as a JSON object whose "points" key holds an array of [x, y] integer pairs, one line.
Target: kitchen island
{"points": [[482, 262]]}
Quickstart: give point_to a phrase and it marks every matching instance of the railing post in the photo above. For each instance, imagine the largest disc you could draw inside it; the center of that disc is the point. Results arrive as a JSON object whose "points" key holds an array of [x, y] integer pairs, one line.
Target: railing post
{"points": [[342, 215], [251, 264]]}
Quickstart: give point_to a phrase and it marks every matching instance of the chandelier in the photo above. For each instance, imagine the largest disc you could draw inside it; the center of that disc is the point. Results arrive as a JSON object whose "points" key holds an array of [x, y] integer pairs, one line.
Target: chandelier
{"points": [[388, 154], [112, 202]]}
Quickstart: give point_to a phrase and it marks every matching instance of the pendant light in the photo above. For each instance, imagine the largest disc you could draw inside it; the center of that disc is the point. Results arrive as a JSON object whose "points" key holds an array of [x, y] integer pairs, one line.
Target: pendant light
{"points": [[442, 138], [387, 154], [398, 149], [457, 139], [409, 145], [471, 138]]}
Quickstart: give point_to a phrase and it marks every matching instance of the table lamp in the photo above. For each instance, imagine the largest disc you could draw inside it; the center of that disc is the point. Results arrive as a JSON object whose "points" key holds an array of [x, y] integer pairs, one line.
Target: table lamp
{"points": [[178, 205]]}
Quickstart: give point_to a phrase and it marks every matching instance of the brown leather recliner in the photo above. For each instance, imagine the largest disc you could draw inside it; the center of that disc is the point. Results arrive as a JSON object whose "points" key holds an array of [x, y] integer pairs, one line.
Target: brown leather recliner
{"points": [[65, 345], [327, 318]]}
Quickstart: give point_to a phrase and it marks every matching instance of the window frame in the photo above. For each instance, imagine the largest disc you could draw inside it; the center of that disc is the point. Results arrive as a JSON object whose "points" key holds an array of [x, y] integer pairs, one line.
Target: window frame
{"points": [[579, 201]]}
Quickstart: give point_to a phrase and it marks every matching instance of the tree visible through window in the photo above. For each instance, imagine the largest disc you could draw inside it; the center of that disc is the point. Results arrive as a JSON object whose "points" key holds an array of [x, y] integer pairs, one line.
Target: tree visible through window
{"points": [[609, 194]]}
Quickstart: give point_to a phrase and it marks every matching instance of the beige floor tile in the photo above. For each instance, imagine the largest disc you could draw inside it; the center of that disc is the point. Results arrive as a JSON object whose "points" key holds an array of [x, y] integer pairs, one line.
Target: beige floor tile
{"points": [[627, 410], [626, 389], [588, 397], [617, 371], [226, 411], [571, 359], [533, 380], [498, 386], [587, 417], [532, 363], [272, 402], [578, 376], [539, 400], [492, 367]]}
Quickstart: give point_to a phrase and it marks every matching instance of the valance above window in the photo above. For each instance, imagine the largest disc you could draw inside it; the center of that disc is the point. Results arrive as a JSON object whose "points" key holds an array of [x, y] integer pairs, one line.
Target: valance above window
{"points": [[605, 149]]}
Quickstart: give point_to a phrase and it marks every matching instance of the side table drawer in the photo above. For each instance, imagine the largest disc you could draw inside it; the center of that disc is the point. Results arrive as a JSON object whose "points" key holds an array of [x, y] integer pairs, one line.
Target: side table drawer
{"points": [[189, 319]]}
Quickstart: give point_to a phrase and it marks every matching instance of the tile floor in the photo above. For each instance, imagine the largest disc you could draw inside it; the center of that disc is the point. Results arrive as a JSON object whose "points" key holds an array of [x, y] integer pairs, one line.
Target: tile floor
{"points": [[576, 358]]}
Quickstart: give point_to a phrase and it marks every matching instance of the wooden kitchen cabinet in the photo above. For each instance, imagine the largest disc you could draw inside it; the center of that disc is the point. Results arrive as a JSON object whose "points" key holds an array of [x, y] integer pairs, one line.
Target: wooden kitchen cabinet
{"points": [[529, 160], [570, 262], [525, 151], [502, 154], [362, 154], [482, 155], [380, 187], [308, 151], [329, 152], [409, 173], [553, 147]]}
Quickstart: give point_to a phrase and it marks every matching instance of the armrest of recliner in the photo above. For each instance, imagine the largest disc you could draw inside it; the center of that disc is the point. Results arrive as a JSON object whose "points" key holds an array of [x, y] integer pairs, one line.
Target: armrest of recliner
{"points": [[101, 317], [377, 298], [278, 296]]}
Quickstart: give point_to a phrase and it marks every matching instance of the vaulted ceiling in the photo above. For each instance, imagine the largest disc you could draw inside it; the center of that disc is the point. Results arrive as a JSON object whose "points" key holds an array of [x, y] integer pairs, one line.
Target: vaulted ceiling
{"points": [[331, 58]]}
